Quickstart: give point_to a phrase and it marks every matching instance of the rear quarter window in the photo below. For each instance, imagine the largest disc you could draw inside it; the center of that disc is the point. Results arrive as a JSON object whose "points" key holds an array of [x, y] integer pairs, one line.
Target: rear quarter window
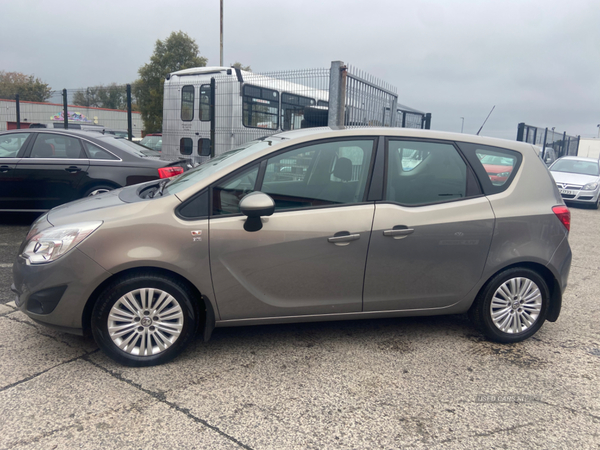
{"points": [[495, 167]]}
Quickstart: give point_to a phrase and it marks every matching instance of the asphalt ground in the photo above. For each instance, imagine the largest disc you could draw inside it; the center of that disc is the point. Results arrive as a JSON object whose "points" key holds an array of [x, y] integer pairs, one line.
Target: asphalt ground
{"points": [[418, 383]]}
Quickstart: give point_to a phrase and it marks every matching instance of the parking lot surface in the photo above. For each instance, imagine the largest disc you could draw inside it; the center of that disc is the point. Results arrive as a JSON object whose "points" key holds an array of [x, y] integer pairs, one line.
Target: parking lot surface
{"points": [[410, 383]]}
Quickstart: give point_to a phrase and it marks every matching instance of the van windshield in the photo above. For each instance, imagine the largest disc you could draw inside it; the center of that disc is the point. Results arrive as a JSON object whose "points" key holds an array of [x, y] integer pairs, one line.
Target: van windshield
{"points": [[221, 162]]}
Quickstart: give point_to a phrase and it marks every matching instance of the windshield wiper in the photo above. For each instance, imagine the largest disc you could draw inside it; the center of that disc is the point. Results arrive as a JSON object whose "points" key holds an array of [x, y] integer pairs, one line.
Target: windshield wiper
{"points": [[159, 190]]}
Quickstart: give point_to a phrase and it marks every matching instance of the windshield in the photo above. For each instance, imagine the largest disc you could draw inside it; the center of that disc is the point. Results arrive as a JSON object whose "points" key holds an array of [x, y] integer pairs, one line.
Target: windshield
{"points": [[214, 165], [576, 166]]}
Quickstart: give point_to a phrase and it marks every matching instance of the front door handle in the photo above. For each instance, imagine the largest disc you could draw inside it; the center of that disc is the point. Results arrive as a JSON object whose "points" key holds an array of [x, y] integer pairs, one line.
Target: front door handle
{"points": [[4, 168], [73, 169], [343, 238], [399, 232]]}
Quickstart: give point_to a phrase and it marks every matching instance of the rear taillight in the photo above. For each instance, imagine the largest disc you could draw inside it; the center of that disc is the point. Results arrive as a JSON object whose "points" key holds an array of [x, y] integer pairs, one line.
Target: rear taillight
{"points": [[166, 172], [564, 215]]}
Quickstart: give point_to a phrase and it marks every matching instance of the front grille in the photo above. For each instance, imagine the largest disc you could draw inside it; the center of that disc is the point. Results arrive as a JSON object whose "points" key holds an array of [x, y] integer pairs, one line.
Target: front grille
{"points": [[569, 187], [586, 197], [567, 196]]}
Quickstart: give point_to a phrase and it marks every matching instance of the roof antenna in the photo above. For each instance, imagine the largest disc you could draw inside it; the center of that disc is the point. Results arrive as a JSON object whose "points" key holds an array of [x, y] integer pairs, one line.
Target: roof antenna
{"points": [[485, 120]]}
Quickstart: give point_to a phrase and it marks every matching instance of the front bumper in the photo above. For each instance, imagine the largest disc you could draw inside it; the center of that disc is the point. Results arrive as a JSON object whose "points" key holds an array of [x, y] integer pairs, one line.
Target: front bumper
{"points": [[55, 294], [578, 195]]}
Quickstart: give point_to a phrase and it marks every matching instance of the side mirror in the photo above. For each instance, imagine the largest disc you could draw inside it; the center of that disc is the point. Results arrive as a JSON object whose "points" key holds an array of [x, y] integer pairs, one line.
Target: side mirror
{"points": [[255, 205]]}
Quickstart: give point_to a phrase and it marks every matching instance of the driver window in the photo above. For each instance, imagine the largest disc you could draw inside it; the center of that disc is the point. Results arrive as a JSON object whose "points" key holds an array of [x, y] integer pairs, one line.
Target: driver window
{"points": [[228, 193]]}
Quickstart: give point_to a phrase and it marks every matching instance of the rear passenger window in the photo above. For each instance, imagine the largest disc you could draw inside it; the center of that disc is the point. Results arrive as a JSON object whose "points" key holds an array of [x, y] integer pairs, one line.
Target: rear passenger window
{"points": [[420, 173], [57, 146], [497, 165], [96, 152], [494, 166]]}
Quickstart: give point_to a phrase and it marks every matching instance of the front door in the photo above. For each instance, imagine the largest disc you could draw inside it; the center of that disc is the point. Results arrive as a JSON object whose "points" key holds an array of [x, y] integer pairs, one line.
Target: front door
{"points": [[309, 257]]}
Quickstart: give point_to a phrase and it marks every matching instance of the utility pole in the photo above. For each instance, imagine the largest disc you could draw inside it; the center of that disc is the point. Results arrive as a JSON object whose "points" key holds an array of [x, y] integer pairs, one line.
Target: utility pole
{"points": [[221, 33]]}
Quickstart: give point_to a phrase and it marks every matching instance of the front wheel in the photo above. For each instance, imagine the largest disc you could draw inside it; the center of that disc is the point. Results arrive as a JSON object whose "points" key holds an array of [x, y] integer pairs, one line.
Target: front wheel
{"points": [[512, 306], [144, 319]]}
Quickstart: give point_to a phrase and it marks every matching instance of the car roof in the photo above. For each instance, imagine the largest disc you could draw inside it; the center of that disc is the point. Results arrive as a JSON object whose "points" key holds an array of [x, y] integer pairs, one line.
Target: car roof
{"points": [[327, 132]]}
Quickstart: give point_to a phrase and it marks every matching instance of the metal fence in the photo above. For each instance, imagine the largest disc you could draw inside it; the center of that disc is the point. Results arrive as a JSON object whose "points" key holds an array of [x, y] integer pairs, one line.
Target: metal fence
{"points": [[208, 111], [104, 107], [562, 143]]}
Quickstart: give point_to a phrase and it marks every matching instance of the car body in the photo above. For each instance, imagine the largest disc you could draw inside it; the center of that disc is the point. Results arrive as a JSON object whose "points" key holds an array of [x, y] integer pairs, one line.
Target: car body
{"points": [[374, 222], [43, 168], [498, 168], [578, 179], [153, 141]]}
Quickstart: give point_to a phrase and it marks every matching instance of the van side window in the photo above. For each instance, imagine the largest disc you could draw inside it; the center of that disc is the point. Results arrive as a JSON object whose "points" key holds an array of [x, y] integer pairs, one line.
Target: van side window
{"points": [[205, 103], [261, 108], [186, 145], [292, 110], [187, 103]]}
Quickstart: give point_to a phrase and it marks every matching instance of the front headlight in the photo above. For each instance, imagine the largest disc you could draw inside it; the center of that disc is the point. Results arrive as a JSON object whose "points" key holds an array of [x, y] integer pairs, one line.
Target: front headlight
{"points": [[590, 186], [52, 243], [503, 174]]}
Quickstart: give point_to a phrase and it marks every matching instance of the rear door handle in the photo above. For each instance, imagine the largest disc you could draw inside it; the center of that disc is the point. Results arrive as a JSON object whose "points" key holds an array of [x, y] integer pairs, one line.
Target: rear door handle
{"points": [[399, 232], [343, 238], [4, 168], [73, 169]]}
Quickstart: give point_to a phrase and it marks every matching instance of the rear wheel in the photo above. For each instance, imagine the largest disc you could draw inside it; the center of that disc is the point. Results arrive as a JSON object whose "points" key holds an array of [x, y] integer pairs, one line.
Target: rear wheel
{"points": [[144, 319], [512, 306]]}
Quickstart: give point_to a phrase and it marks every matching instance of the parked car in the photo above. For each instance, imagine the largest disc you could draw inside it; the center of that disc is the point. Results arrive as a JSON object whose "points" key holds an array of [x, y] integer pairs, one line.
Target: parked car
{"points": [[42, 168], [578, 179], [153, 141], [356, 233], [498, 168]]}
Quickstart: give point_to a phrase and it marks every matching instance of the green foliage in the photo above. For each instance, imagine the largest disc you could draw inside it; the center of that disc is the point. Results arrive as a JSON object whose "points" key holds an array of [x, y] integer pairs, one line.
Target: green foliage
{"points": [[177, 52], [112, 97], [238, 65], [29, 88]]}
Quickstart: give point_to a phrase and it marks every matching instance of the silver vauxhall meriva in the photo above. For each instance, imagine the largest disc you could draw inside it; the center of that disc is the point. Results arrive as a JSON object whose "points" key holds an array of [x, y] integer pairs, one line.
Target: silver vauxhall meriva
{"points": [[308, 225]]}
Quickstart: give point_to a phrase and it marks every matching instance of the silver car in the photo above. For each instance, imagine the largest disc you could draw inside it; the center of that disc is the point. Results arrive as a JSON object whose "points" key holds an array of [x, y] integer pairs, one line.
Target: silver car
{"points": [[307, 225], [578, 179]]}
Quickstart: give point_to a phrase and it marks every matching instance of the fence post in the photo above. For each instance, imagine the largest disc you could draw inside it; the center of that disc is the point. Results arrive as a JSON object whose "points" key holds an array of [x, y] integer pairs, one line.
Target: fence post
{"points": [[577, 146], [213, 88], [18, 105], [65, 112], [564, 140], [337, 94], [520, 131], [428, 121], [129, 122], [544, 145]]}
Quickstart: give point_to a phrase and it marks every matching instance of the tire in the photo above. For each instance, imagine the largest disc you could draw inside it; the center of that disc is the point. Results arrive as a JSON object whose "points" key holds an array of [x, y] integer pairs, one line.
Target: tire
{"points": [[511, 318], [127, 326], [99, 189]]}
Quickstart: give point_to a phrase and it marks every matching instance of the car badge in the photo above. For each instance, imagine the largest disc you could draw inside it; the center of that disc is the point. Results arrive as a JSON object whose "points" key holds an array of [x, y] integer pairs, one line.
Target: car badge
{"points": [[196, 235]]}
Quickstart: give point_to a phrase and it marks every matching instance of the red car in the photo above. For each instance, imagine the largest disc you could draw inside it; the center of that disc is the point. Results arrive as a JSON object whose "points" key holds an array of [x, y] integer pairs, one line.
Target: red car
{"points": [[498, 168]]}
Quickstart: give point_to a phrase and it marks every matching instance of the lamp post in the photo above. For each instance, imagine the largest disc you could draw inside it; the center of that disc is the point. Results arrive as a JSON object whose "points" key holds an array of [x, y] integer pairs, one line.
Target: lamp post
{"points": [[463, 124]]}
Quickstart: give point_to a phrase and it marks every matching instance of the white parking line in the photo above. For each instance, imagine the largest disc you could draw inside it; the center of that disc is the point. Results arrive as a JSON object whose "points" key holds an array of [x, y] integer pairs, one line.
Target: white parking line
{"points": [[6, 266]]}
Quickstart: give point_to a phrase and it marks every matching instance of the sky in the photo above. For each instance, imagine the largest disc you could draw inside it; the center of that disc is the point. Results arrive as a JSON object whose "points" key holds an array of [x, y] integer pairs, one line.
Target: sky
{"points": [[536, 61]]}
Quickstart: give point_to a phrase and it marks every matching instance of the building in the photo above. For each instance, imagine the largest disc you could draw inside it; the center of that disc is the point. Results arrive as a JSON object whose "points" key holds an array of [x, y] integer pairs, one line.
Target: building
{"points": [[35, 112]]}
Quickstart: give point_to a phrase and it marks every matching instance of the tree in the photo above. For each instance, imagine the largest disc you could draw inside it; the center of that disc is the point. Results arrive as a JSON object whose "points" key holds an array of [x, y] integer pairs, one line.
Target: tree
{"points": [[113, 96], [177, 52], [238, 65], [29, 88]]}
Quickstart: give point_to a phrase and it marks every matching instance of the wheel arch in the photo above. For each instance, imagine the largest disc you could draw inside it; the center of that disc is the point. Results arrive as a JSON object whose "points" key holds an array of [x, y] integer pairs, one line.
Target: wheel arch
{"points": [[553, 286], [205, 307]]}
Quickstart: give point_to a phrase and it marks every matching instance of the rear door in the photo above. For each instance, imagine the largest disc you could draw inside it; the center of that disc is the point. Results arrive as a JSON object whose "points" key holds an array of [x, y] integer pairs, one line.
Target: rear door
{"points": [[432, 230], [52, 171], [12, 148]]}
